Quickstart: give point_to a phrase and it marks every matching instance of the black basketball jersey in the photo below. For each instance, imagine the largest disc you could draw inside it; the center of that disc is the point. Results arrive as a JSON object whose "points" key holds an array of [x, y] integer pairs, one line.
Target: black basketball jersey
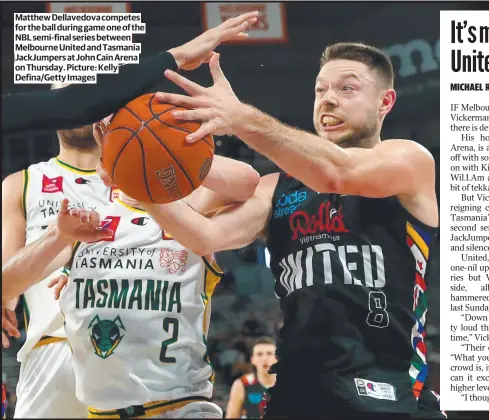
{"points": [[254, 391], [350, 272]]}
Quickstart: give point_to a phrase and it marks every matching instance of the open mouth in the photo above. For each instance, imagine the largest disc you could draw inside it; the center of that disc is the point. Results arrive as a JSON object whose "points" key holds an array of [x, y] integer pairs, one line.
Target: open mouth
{"points": [[330, 122]]}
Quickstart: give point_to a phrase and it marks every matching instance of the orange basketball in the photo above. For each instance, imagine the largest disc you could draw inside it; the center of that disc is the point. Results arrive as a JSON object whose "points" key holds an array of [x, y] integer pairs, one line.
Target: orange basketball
{"points": [[145, 153]]}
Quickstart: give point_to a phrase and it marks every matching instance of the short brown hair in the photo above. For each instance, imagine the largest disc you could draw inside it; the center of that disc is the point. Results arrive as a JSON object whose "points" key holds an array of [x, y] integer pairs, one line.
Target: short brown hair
{"points": [[373, 57], [263, 340]]}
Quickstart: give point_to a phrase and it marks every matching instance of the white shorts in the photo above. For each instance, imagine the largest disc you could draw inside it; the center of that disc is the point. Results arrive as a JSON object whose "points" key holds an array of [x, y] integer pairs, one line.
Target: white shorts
{"points": [[191, 410], [46, 387]]}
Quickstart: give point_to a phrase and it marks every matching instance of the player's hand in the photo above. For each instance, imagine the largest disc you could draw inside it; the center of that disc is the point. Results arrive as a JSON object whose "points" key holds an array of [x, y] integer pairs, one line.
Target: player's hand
{"points": [[80, 225], [58, 283], [9, 326], [199, 50], [217, 107]]}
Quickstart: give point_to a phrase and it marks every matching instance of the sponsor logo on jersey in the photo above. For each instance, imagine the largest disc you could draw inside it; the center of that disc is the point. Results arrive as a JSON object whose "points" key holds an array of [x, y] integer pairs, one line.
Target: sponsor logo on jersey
{"points": [[105, 335], [52, 185], [174, 260], [288, 203], [111, 223], [327, 219], [255, 397], [82, 181], [263, 403], [140, 221], [376, 390]]}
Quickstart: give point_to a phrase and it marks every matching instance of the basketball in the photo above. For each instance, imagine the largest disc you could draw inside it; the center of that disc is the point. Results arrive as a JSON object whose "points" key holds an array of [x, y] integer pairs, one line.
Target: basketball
{"points": [[145, 153]]}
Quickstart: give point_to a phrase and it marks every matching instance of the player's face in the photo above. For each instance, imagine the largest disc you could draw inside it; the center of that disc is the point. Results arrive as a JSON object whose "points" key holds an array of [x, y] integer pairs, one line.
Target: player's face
{"points": [[263, 357], [79, 138], [347, 103]]}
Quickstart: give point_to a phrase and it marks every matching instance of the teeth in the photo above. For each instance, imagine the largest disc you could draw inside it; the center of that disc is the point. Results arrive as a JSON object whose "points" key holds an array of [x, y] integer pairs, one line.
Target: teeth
{"points": [[330, 121]]}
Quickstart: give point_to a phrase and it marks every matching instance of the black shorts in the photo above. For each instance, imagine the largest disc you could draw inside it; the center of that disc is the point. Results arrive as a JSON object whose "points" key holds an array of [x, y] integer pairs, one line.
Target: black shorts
{"points": [[333, 396]]}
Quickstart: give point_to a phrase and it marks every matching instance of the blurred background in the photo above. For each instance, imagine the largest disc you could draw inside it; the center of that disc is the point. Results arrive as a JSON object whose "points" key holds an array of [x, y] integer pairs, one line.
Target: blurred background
{"points": [[277, 76]]}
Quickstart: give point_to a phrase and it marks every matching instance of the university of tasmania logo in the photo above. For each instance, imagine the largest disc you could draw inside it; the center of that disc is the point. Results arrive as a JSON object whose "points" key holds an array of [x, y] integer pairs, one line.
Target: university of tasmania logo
{"points": [[105, 335], [174, 260]]}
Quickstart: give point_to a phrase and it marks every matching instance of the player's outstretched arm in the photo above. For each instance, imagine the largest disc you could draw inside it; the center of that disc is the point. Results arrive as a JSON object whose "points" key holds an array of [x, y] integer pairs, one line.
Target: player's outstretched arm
{"points": [[232, 227], [89, 103], [236, 400], [13, 239], [318, 163], [39, 259], [35, 262]]}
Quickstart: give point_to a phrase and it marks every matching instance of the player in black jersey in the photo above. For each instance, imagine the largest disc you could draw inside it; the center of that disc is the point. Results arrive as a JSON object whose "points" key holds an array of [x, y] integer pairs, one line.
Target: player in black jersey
{"points": [[349, 227], [247, 393]]}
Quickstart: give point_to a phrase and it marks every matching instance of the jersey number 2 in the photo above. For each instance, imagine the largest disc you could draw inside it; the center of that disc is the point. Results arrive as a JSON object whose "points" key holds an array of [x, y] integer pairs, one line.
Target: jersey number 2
{"points": [[167, 322], [377, 304]]}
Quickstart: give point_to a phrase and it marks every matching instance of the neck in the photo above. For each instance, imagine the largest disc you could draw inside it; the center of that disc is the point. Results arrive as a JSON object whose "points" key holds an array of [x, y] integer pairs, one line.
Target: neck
{"points": [[82, 159], [266, 379], [130, 201]]}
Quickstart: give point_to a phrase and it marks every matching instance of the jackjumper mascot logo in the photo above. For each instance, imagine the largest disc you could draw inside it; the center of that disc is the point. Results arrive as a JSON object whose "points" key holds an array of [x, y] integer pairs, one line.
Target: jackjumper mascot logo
{"points": [[106, 335]]}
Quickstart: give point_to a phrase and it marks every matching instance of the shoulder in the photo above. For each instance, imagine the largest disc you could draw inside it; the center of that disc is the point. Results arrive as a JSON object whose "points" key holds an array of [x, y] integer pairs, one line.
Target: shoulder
{"points": [[13, 184], [405, 148], [248, 379]]}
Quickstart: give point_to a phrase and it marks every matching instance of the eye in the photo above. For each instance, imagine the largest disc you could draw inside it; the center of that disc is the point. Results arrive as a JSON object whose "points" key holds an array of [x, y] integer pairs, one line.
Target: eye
{"points": [[319, 90], [96, 336], [113, 337], [346, 88]]}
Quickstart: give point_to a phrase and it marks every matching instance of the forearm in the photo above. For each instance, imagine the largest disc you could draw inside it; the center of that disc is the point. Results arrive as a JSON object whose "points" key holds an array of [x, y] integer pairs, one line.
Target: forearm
{"points": [[32, 263], [307, 157], [47, 110], [188, 227]]}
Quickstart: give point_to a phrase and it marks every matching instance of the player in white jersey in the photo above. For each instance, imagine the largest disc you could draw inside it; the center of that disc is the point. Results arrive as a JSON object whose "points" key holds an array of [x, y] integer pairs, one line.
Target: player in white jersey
{"points": [[187, 385], [30, 203], [136, 308]]}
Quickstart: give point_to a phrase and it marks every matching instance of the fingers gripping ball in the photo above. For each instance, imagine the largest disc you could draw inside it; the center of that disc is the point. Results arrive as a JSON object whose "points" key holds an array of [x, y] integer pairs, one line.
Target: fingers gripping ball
{"points": [[145, 154]]}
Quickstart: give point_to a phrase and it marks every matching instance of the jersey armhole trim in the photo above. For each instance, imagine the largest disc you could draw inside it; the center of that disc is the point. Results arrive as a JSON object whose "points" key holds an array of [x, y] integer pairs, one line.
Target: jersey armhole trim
{"points": [[25, 173], [66, 269], [213, 266]]}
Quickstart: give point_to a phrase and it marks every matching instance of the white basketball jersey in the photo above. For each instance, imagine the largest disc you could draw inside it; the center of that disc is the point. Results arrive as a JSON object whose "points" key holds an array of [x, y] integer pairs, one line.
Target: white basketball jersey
{"points": [[137, 312], [45, 186]]}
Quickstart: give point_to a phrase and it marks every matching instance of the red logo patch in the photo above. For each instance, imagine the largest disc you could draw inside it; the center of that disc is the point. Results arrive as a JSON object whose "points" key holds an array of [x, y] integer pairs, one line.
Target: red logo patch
{"points": [[112, 223], [327, 219], [174, 260], [114, 193], [166, 236], [52, 185]]}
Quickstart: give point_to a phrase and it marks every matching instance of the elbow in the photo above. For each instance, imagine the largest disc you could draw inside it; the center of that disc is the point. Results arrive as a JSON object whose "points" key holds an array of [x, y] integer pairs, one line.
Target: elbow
{"points": [[250, 179], [204, 244]]}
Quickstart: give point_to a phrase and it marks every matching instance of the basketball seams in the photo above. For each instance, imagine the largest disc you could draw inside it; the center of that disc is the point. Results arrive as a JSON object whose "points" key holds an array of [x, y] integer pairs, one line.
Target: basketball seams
{"points": [[167, 150], [122, 148], [171, 141], [156, 116], [144, 168]]}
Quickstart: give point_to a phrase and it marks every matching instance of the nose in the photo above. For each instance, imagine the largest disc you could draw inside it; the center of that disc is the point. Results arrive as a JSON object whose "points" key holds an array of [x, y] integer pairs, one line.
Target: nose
{"points": [[330, 98]]}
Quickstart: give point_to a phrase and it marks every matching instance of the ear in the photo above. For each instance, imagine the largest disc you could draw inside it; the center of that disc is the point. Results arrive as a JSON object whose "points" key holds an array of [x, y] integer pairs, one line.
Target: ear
{"points": [[388, 100]]}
